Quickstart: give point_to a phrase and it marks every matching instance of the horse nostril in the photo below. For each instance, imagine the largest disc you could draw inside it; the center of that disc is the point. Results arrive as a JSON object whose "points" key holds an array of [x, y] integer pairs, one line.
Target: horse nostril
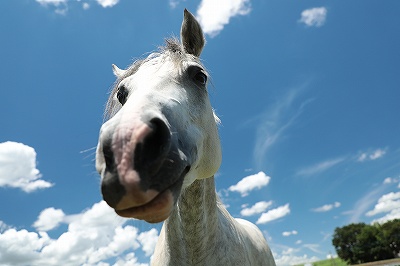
{"points": [[111, 189], [150, 154], [108, 155]]}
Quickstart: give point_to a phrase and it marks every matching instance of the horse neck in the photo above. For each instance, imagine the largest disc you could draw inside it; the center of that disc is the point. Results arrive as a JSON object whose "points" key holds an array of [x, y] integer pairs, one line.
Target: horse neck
{"points": [[192, 227]]}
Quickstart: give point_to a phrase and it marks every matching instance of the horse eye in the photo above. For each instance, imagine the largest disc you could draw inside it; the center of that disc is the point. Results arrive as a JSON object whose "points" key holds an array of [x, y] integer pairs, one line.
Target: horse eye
{"points": [[200, 78], [122, 94]]}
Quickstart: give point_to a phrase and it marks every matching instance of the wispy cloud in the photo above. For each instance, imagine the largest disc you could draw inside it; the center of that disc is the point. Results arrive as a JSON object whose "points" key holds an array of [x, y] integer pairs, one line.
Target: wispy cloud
{"points": [[257, 208], [274, 214], [250, 183], [275, 121], [214, 15], [371, 155], [52, 2], [364, 203], [93, 237], [314, 248], [18, 167], [314, 16], [320, 167], [327, 207]]}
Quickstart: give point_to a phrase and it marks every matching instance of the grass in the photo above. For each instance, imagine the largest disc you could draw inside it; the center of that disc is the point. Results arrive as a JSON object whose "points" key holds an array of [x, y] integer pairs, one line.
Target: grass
{"points": [[328, 262]]}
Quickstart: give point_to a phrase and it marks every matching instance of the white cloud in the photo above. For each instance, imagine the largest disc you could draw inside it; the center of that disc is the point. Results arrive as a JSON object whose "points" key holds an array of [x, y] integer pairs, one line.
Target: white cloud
{"points": [[49, 219], [259, 207], [61, 6], [386, 203], [289, 233], [327, 207], [107, 3], [85, 6], [391, 180], [51, 2], [174, 3], [250, 183], [274, 214], [320, 167], [314, 16], [18, 167], [148, 240], [388, 180], [291, 259], [214, 15], [371, 155], [93, 237], [393, 214]]}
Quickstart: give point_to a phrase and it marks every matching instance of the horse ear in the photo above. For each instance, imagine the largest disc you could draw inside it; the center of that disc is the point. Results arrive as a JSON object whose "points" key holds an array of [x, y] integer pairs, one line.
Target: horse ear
{"points": [[192, 36], [117, 71]]}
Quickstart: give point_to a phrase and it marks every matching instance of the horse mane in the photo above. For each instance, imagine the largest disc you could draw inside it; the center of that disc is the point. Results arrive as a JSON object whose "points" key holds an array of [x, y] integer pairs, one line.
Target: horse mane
{"points": [[172, 47]]}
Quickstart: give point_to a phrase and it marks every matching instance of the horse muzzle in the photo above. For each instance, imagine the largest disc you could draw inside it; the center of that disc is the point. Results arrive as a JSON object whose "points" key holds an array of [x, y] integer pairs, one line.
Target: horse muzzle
{"points": [[142, 168]]}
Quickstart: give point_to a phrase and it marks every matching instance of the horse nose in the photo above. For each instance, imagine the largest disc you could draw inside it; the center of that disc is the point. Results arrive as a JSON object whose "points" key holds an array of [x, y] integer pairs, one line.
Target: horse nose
{"points": [[151, 153], [130, 166]]}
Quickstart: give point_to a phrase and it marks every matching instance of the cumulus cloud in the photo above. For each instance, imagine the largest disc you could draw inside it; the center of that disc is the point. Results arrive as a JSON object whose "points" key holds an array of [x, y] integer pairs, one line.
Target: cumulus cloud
{"points": [[289, 257], [389, 204], [327, 207], [257, 208], [214, 15], [274, 214], [314, 16], [371, 155], [93, 237], [250, 183], [148, 240], [391, 180], [18, 167], [289, 233], [320, 167], [49, 219]]}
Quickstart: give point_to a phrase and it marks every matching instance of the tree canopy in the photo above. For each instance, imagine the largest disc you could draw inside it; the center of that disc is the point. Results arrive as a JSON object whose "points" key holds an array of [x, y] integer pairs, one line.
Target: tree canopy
{"points": [[360, 243]]}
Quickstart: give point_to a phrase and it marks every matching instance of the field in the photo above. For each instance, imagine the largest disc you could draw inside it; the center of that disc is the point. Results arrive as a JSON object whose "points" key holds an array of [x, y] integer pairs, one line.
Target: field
{"points": [[328, 262], [339, 262]]}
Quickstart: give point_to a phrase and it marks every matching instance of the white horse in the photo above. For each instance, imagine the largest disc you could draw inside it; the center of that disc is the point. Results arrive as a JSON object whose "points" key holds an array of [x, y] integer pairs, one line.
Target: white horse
{"points": [[158, 153]]}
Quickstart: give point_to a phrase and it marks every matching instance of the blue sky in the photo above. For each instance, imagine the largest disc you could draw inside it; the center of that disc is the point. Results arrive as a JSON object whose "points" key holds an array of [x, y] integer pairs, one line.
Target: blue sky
{"points": [[307, 91]]}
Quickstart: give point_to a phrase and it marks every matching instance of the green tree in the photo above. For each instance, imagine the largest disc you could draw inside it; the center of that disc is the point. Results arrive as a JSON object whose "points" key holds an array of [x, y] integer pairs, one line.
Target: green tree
{"points": [[360, 243], [391, 234], [345, 241], [371, 245]]}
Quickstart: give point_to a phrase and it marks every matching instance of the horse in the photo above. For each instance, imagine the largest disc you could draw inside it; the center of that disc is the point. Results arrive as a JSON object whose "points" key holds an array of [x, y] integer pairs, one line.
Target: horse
{"points": [[158, 152]]}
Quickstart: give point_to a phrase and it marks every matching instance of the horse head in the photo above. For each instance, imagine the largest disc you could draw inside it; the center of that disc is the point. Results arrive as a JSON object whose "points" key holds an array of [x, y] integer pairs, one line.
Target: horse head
{"points": [[161, 133]]}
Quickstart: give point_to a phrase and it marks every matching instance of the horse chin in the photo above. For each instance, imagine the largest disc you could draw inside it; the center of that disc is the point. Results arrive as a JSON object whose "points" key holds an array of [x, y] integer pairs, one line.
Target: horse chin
{"points": [[155, 211], [160, 207]]}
